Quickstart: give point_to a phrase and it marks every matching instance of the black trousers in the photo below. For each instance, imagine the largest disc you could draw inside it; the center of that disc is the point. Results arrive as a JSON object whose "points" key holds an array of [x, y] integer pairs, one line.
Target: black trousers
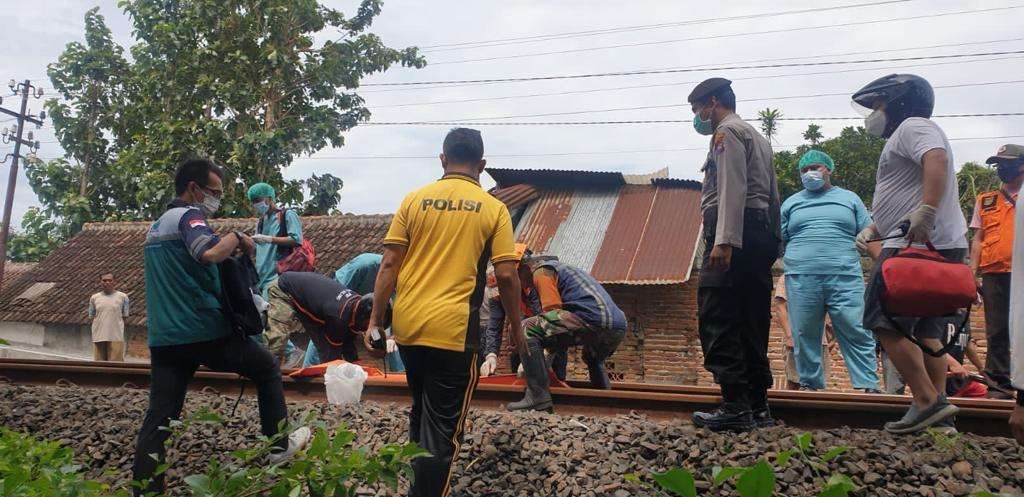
{"points": [[995, 291], [442, 384], [172, 368], [734, 311]]}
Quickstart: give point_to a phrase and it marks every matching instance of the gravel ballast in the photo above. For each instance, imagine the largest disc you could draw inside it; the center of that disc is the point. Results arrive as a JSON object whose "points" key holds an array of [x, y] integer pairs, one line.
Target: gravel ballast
{"points": [[531, 454]]}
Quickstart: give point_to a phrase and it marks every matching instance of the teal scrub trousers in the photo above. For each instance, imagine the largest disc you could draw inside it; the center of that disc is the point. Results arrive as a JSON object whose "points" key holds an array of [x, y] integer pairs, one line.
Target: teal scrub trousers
{"points": [[810, 296]]}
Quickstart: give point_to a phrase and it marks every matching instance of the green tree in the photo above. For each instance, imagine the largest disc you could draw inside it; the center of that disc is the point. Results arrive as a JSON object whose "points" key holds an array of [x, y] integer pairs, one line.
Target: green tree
{"points": [[244, 82], [813, 134], [855, 153], [769, 122], [972, 180], [324, 195]]}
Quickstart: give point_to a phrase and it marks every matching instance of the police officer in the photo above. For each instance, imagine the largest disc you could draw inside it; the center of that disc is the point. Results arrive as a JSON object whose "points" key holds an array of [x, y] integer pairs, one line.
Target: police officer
{"points": [[991, 252], [740, 205]]}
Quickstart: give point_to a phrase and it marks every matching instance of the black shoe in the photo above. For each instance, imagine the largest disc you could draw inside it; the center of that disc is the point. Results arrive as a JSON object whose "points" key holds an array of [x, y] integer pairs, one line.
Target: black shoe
{"points": [[725, 417], [807, 388], [871, 390], [762, 417]]}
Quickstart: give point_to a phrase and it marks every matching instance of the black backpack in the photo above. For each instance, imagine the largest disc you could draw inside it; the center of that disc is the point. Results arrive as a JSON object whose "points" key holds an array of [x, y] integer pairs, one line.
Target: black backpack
{"points": [[239, 282]]}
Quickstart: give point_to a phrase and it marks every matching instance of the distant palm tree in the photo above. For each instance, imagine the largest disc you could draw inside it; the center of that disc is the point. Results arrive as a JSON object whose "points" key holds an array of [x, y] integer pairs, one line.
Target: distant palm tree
{"points": [[813, 134], [769, 122]]}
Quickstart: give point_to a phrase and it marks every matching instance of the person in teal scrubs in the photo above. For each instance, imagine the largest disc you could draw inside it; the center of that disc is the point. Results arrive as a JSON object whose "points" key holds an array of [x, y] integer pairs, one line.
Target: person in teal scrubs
{"points": [[270, 247], [824, 275]]}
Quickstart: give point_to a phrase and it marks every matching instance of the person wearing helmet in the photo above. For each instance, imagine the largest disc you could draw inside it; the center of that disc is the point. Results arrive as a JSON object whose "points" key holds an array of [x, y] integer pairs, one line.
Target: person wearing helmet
{"points": [[575, 310], [272, 242], [991, 253], [740, 207], [316, 307], [915, 189]]}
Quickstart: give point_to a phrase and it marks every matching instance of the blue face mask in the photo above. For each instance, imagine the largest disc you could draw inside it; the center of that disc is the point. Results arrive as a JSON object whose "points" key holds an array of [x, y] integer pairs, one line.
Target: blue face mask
{"points": [[812, 180], [261, 207], [704, 127]]}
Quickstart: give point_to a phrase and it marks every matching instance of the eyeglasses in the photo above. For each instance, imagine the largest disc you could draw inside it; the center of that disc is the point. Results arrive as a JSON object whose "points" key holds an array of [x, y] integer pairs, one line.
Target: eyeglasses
{"points": [[215, 193]]}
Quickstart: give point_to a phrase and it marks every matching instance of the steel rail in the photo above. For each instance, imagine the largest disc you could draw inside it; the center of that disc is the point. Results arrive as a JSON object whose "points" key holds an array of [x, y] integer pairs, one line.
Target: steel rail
{"points": [[813, 410]]}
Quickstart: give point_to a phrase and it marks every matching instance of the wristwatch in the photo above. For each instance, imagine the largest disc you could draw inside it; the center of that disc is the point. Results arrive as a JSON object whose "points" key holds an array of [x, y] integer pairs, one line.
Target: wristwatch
{"points": [[238, 236]]}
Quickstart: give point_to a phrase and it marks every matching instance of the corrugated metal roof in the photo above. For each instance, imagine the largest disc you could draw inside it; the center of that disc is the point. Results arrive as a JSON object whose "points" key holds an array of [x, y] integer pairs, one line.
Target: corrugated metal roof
{"points": [[555, 178], [578, 239], [677, 182], [636, 234], [516, 195]]}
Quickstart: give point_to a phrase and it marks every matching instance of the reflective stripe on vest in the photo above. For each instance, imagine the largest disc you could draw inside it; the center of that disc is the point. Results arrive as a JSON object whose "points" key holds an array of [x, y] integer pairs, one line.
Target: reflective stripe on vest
{"points": [[997, 225]]}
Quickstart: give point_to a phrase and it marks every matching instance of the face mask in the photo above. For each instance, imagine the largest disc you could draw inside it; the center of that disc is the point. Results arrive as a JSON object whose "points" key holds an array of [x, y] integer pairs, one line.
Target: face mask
{"points": [[812, 180], [875, 123], [1008, 172], [261, 208], [704, 127], [209, 205]]}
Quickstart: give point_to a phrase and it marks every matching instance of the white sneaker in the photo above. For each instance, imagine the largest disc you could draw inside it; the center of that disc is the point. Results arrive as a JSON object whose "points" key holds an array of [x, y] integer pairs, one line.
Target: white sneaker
{"points": [[296, 442]]}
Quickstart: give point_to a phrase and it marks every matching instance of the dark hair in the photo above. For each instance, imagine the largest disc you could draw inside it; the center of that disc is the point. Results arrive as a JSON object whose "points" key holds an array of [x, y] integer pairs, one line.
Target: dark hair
{"points": [[197, 170], [104, 275], [464, 146], [725, 96]]}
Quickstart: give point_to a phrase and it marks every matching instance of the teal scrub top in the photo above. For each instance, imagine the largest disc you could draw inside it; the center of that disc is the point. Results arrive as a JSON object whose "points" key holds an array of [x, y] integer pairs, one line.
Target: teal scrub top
{"points": [[819, 229], [267, 254]]}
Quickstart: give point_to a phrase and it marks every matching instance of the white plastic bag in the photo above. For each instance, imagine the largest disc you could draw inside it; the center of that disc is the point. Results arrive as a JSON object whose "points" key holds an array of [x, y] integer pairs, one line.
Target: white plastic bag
{"points": [[344, 383]]}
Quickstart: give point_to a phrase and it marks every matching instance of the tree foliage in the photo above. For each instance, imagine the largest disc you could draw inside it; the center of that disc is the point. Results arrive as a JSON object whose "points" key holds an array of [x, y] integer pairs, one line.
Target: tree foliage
{"points": [[813, 134], [972, 180], [245, 82], [769, 122], [324, 195]]}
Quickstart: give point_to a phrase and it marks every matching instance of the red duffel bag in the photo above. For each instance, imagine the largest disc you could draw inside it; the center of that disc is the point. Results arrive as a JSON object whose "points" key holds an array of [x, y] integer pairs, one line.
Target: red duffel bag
{"points": [[921, 283]]}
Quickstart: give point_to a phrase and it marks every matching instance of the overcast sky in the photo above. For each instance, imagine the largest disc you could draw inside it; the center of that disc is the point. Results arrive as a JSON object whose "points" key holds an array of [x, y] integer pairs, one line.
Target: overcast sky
{"points": [[37, 32]]}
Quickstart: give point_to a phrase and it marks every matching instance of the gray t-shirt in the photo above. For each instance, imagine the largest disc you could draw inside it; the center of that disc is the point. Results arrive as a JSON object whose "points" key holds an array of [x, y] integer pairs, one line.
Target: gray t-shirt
{"points": [[899, 185]]}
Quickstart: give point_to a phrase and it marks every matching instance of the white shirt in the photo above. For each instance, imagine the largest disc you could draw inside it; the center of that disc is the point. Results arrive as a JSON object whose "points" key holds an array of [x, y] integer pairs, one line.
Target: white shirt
{"points": [[1017, 301], [899, 185], [108, 313]]}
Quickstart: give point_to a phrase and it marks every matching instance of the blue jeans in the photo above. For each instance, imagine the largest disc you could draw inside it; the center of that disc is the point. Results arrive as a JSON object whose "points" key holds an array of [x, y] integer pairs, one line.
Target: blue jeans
{"points": [[810, 296]]}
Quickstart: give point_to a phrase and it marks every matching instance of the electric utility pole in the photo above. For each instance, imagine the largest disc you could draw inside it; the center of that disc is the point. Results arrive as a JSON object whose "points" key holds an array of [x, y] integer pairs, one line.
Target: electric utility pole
{"points": [[15, 135]]}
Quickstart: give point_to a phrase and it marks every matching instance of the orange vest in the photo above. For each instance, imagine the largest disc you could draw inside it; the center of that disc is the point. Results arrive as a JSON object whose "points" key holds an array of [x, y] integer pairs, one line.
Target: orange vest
{"points": [[997, 225]]}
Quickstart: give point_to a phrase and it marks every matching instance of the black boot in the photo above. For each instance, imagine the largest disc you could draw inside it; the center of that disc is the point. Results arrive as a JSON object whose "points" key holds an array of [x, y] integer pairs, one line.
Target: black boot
{"points": [[733, 414], [598, 376], [535, 370], [762, 416]]}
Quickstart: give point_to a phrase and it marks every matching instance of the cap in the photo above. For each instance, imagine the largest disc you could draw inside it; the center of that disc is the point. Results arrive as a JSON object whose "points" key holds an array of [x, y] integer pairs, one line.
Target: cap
{"points": [[1007, 152], [706, 88], [816, 157]]}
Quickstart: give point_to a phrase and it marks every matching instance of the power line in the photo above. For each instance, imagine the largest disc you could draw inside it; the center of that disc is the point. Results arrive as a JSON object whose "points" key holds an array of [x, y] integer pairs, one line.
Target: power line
{"points": [[622, 29], [730, 35], [702, 68], [646, 121]]}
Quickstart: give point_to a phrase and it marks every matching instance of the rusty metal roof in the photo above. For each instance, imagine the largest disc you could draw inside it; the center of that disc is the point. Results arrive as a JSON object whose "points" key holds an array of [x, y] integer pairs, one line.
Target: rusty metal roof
{"points": [[516, 195], [631, 234], [556, 178]]}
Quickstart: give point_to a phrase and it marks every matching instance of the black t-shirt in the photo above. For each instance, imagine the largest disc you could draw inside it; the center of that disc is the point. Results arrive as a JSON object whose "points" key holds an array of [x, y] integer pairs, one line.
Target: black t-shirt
{"points": [[319, 295]]}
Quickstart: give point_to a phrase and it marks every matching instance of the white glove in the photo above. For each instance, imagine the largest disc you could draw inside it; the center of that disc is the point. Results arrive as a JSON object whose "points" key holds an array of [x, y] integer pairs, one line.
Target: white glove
{"points": [[922, 221], [519, 372], [391, 346], [262, 238], [864, 236], [489, 366]]}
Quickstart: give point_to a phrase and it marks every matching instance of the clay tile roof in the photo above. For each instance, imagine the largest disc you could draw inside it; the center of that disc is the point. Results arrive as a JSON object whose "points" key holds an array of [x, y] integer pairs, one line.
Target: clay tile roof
{"points": [[15, 270], [75, 268]]}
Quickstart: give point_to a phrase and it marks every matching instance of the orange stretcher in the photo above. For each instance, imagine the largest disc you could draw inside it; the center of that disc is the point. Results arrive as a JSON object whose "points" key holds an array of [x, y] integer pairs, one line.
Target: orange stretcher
{"points": [[511, 379], [320, 369]]}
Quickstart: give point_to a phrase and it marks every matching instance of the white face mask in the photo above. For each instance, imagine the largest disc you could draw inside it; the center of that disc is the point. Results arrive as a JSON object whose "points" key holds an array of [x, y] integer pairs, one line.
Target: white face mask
{"points": [[209, 205], [875, 123]]}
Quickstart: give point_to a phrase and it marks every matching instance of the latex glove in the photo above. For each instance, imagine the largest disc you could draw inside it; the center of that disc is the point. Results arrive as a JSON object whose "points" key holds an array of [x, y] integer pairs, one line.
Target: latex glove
{"points": [[865, 234], [262, 238], [922, 221], [489, 366], [391, 346], [519, 372]]}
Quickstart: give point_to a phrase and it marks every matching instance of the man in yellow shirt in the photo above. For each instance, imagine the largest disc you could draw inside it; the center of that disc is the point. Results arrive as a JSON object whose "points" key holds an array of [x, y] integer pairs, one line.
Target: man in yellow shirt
{"points": [[436, 252]]}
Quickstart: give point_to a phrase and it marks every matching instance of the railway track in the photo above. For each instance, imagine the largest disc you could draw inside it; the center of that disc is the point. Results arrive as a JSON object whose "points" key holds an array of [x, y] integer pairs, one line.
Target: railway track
{"points": [[812, 410]]}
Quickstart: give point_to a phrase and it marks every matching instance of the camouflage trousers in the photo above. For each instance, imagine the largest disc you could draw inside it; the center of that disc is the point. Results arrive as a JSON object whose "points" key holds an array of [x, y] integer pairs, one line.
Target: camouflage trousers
{"points": [[561, 329], [282, 321]]}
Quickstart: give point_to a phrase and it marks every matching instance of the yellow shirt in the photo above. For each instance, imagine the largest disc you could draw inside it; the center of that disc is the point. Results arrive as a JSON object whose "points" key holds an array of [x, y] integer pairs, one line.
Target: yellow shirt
{"points": [[451, 228]]}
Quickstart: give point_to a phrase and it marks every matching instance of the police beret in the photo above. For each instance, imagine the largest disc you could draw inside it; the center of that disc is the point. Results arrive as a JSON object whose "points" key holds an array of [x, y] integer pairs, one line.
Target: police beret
{"points": [[706, 88]]}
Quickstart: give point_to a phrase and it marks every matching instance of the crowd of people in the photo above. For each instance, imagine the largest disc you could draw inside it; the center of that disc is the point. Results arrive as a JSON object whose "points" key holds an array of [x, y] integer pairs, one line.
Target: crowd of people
{"points": [[431, 307]]}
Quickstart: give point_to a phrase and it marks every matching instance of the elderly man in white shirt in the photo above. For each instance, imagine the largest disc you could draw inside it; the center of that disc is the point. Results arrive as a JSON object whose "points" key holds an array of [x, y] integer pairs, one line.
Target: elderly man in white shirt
{"points": [[108, 310]]}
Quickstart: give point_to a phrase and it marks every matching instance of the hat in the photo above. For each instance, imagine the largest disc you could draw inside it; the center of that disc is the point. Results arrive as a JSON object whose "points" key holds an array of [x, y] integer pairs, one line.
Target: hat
{"points": [[261, 190], [707, 88], [1007, 152], [816, 157]]}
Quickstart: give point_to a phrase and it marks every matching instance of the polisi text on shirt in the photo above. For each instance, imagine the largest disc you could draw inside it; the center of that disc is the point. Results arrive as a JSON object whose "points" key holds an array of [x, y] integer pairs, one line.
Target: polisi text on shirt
{"points": [[443, 204]]}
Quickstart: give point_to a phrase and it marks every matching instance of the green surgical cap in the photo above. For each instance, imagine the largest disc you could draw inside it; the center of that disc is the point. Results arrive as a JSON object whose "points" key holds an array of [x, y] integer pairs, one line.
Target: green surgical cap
{"points": [[260, 190], [810, 157]]}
